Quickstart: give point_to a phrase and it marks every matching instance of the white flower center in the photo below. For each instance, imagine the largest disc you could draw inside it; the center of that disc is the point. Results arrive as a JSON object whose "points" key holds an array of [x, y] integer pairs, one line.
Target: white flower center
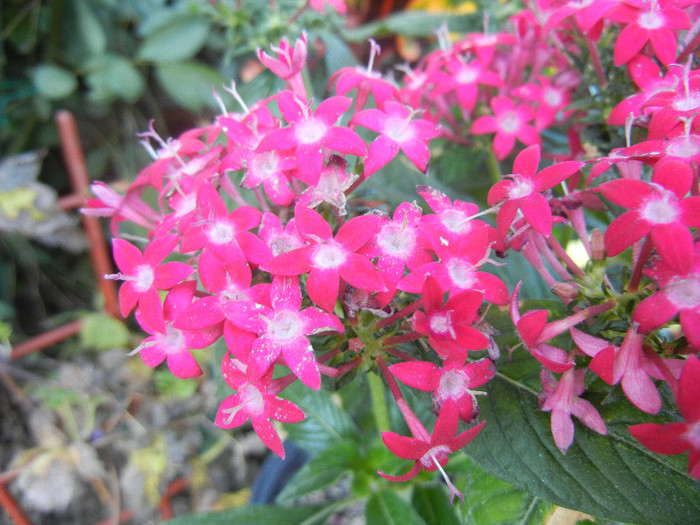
{"points": [[460, 273], [521, 187], [329, 256], [221, 233], [144, 278], [310, 130], [467, 75], [174, 341], [398, 129], [452, 385], [693, 435], [284, 325], [686, 147], [441, 323], [660, 210], [509, 122], [688, 103], [284, 243], [455, 221], [685, 293], [434, 455], [266, 164], [651, 20], [552, 97], [397, 240]]}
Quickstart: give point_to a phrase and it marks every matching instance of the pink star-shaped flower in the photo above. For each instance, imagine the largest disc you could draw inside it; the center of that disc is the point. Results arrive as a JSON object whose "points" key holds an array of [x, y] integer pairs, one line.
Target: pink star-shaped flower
{"points": [[678, 437], [283, 330], [255, 400], [509, 122], [522, 189]]}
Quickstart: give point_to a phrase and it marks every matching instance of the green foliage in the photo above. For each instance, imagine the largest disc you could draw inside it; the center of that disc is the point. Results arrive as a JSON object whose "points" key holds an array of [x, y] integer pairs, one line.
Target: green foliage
{"points": [[101, 332]]}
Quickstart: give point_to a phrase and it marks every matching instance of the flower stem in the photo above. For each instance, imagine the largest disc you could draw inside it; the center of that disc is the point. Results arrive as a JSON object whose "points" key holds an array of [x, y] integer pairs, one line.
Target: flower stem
{"points": [[379, 408]]}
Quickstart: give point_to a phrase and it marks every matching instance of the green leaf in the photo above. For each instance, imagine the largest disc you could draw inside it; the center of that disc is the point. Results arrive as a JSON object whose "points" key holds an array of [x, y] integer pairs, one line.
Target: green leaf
{"points": [[87, 31], [491, 501], [432, 504], [180, 39], [113, 76], [54, 82], [101, 332], [386, 507], [326, 421], [252, 515], [412, 24], [189, 84], [323, 470], [612, 476]]}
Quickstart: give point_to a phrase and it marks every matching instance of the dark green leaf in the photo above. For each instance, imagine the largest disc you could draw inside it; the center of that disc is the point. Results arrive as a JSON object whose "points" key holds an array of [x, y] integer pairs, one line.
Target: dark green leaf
{"points": [[189, 84], [88, 32], [608, 476], [180, 39], [111, 77], [54, 82], [490, 501], [386, 507], [324, 469], [251, 515], [326, 421], [432, 504]]}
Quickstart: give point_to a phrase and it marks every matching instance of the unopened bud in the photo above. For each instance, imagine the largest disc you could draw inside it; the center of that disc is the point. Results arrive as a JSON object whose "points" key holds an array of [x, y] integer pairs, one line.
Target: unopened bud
{"points": [[597, 245], [566, 291]]}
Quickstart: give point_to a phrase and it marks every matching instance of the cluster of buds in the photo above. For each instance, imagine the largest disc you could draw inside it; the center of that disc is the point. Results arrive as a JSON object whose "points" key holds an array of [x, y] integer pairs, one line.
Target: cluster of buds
{"points": [[305, 280]]}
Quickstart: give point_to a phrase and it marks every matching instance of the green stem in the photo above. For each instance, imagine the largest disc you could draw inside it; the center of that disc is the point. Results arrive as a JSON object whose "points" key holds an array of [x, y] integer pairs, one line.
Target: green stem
{"points": [[378, 393], [493, 165]]}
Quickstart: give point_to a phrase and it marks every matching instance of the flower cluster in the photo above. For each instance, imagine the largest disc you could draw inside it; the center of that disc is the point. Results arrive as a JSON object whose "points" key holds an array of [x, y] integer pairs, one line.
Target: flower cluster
{"points": [[268, 251]]}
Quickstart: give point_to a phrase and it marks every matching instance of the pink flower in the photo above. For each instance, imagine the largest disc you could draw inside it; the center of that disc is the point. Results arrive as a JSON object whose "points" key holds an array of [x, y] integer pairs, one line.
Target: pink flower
{"points": [[676, 438], [678, 292], [309, 133], [508, 123], [289, 63], [451, 220], [334, 181], [562, 399], [648, 21], [522, 191], [464, 78], [255, 400], [283, 330], [171, 344], [398, 130], [327, 259], [430, 452], [143, 274], [657, 208], [449, 326], [338, 5], [628, 363], [454, 380]]}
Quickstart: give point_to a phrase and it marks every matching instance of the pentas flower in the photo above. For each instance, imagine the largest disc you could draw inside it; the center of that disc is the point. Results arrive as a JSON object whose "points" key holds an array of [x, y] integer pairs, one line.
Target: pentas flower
{"points": [[334, 181], [451, 220], [464, 79], [289, 63], [628, 364], [329, 258], [257, 401], [449, 326], [398, 130], [587, 14], [270, 169], [431, 452], [509, 122], [120, 208], [310, 132], [521, 190], [562, 399], [535, 331], [648, 21], [338, 5], [458, 268], [678, 437], [678, 292], [366, 81], [454, 380], [220, 231], [283, 330], [279, 238], [550, 95], [171, 344], [660, 209], [398, 244], [143, 274]]}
